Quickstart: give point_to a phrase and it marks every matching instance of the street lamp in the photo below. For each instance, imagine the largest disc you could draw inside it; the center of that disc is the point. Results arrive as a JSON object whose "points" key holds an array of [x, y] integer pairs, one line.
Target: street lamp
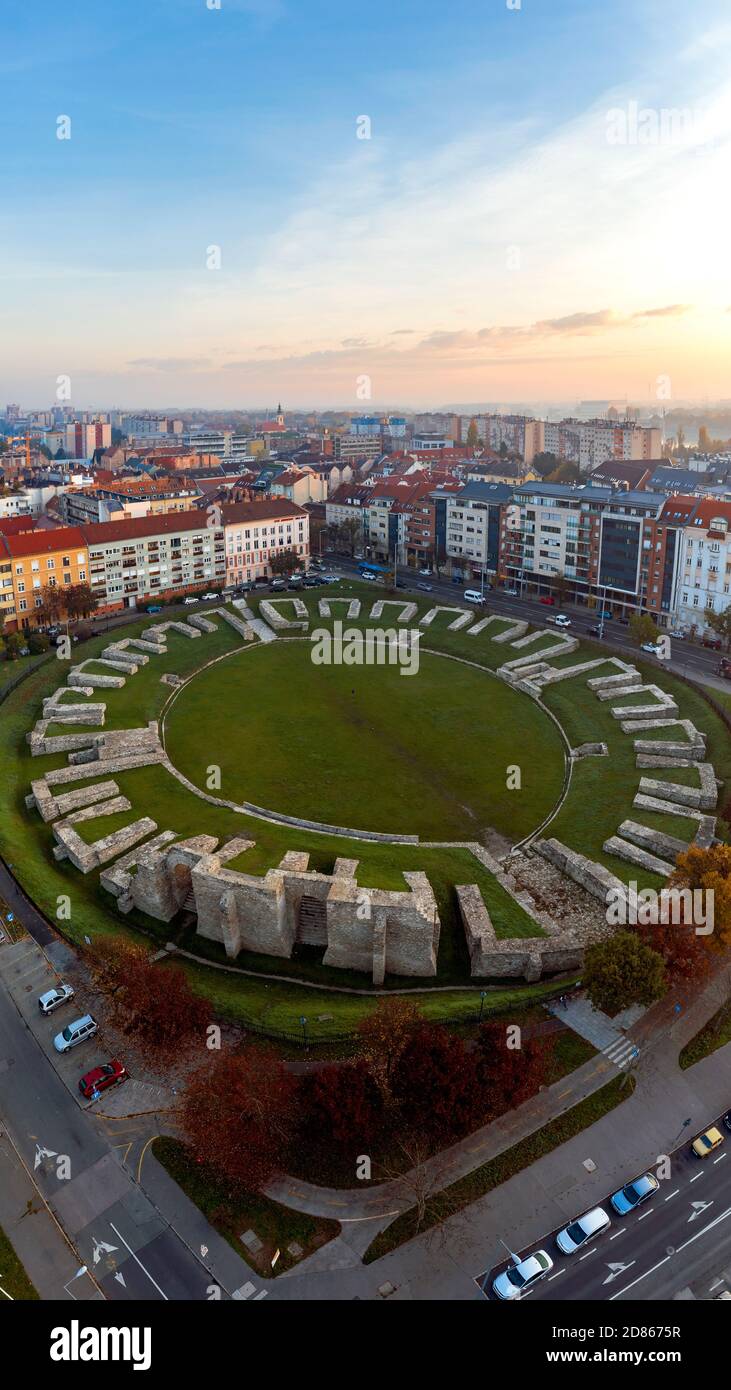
{"points": [[303, 1021], [483, 996]]}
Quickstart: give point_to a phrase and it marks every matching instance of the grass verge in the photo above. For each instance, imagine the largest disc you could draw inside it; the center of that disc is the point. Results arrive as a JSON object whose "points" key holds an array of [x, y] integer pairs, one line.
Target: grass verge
{"points": [[715, 1034], [498, 1170], [14, 1282], [277, 1227]]}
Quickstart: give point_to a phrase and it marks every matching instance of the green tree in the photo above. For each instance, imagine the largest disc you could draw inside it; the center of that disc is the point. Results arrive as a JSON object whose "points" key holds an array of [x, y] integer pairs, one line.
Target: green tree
{"points": [[643, 628], [286, 562], [622, 971], [720, 623]]}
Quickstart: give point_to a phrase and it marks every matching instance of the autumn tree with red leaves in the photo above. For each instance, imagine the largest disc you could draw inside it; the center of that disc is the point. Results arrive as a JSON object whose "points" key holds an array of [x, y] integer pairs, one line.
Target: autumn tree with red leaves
{"points": [[435, 1085], [509, 1074], [342, 1105], [382, 1036], [237, 1116], [152, 1002]]}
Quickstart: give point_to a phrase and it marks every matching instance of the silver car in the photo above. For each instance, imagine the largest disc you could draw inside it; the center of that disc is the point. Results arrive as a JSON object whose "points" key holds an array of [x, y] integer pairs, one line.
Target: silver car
{"points": [[518, 1279], [54, 998]]}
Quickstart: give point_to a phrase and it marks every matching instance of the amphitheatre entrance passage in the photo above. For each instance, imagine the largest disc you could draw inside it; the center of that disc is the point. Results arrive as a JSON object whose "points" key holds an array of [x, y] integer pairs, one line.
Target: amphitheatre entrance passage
{"points": [[433, 754]]}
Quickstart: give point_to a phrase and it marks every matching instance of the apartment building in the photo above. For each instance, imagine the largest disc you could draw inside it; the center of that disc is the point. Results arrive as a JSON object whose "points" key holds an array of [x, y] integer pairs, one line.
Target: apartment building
{"points": [[300, 485], [521, 434], [591, 442], [256, 532], [703, 578], [33, 559], [473, 528], [126, 500], [132, 561], [349, 447]]}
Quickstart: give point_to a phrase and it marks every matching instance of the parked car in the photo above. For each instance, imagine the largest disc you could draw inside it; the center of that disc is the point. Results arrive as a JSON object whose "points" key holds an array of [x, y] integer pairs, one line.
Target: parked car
{"points": [[154, 608], [279, 586], [652, 648], [331, 579], [75, 1033], [727, 1119], [313, 581], [679, 633], [706, 1143], [548, 599], [576, 1234], [426, 572], [211, 595], [634, 1194], [561, 620], [512, 593], [101, 1078], [517, 1278], [425, 588], [710, 640], [190, 599], [54, 998], [473, 596]]}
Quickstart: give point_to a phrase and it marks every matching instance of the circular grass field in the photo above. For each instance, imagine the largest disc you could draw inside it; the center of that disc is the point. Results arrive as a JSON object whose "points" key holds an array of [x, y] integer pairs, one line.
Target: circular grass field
{"points": [[367, 748]]}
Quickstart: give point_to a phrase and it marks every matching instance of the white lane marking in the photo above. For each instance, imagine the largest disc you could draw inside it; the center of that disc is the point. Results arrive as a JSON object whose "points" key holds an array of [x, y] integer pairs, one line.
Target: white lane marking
{"points": [[680, 1248], [646, 1213], [619, 1233], [139, 1262], [698, 1175], [588, 1253], [556, 1275], [672, 1194], [720, 1156], [715, 1285]]}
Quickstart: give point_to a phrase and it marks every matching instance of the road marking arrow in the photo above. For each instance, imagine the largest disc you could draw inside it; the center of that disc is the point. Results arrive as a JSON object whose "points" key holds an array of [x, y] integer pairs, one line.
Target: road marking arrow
{"points": [[101, 1248], [699, 1208], [41, 1154], [616, 1270], [121, 1280]]}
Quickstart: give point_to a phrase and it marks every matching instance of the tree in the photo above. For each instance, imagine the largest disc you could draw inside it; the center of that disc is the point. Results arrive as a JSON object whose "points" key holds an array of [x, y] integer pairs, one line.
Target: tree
{"points": [[473, 435], [686, 955], [382, 1036], [510, 1075], [566, 471], [708, 871], [544, 463], [350, 534], [153, 1003], [80, 601], [622, 971], [560, 587], [285, 562], [434, 1084], [237, 1115], [721, 624], [642, 628], [342, 1105], [52, 607]]}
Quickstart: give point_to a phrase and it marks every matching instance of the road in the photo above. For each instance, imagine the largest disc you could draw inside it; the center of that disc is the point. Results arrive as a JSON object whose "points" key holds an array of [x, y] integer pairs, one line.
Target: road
{"points": [[115, 1229], [687, 658], [656, 1251]]}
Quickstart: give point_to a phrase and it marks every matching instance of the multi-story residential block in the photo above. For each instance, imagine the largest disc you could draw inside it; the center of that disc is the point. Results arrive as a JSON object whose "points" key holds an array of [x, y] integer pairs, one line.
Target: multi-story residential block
{"points": [[591, 442], [300, 485], [349, 447], [33, 559], [256, 532], [703, 579], [130, 498], [473, 528], [134, 560]]}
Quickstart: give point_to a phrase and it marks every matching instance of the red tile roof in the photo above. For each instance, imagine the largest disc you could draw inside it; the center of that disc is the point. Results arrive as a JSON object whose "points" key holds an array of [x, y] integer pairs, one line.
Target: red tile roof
{"points": [[272, 509], [16, 525], [44, 542]]}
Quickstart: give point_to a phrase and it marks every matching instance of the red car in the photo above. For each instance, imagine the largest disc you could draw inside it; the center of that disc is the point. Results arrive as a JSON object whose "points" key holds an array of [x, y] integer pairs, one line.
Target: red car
{"points": [[99, 1078], [548, 599]]}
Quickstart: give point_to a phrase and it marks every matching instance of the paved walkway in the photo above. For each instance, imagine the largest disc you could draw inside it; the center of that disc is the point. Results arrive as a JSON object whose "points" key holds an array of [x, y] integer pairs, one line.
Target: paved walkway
{"points": [[608, 1035]]}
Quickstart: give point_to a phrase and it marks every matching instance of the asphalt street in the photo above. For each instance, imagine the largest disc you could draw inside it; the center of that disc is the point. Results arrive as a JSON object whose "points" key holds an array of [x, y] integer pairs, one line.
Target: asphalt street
{"points": [[118, 1233], [655, 1251], [687, 658]]}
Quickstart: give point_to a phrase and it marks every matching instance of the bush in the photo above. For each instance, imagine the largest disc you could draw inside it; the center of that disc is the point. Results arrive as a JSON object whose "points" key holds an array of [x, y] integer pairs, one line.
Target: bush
{"points": [[37, 643]]}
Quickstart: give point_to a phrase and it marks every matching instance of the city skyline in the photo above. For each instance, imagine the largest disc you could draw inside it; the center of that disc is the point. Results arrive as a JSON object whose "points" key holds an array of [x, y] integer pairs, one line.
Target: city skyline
{"points": [[492, 239]]}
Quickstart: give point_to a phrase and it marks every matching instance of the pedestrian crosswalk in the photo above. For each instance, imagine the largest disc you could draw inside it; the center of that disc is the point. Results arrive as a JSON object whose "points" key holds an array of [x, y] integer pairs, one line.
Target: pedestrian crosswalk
{"points": [[622, 1052]]}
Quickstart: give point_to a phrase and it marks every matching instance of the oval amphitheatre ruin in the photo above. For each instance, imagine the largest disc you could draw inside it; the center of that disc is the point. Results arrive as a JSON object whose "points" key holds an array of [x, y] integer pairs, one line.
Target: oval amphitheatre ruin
{"points": [[147, 868]]}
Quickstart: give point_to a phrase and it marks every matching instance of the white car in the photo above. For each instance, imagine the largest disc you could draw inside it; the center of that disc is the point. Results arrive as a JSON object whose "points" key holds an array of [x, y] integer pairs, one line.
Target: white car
{"points": [[426, 573], [190, 600], [75, 1033], [517, 1279], [561, 620], [54, 998], [331, 579], [211, 595], [368, 574], [653, 648], [586, 1227]]}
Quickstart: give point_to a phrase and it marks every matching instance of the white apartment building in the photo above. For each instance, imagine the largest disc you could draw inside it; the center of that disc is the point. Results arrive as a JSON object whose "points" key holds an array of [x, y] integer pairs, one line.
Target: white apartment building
{"points": [[256, 532], [591, 442], [704, 568]]}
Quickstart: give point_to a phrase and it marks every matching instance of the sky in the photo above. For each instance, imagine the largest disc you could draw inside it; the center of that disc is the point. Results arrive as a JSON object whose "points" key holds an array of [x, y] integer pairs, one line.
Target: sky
{"points": [[539, 210]]}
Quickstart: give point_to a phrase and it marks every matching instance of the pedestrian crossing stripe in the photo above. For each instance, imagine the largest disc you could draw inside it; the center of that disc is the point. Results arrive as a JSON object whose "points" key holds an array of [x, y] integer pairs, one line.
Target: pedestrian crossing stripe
{"points": [[621, 1051]]}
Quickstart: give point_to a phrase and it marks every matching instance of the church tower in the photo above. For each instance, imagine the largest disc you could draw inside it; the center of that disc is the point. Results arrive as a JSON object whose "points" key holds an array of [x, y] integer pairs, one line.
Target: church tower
{"points": [[280, 415]]}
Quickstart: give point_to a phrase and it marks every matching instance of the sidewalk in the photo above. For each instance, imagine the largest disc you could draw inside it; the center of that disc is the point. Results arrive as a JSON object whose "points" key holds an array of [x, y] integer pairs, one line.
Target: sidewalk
{"points": [[37, 1239]]}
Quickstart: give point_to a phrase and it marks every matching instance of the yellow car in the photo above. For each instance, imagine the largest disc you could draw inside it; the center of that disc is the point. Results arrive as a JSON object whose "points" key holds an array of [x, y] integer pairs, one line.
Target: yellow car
{"points": [[706, 1143]]}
